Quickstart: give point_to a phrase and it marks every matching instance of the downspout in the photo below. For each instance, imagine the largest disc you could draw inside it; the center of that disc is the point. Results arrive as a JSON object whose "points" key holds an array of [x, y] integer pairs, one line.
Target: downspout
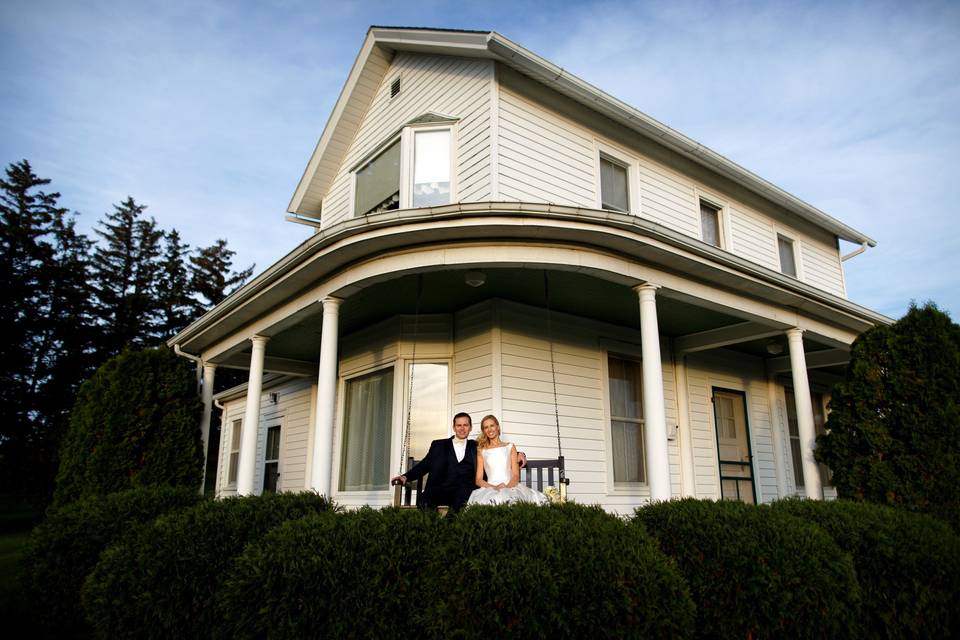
{"points": [[180, 352], [854, 253]]}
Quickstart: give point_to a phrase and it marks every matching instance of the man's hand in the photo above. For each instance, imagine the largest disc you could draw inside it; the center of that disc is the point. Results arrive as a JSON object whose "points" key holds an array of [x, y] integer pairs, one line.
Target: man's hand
{"points": [[401, 480]]}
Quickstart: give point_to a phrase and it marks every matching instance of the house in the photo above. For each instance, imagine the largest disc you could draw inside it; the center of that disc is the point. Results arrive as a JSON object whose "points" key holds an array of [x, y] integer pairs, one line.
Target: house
{"points": [[492, 234]]}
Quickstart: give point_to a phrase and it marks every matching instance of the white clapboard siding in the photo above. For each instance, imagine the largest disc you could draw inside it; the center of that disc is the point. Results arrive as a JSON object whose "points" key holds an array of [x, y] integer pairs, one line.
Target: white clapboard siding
{"points": [[668, 198], [821, 267], [473, 376], [444, 85], [232, 411], [738, 372], [753, 236], [294, 405], [543, 157]]}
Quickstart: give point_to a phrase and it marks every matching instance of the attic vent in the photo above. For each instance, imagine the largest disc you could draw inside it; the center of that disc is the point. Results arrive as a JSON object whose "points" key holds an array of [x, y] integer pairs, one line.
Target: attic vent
{"points": [[395, 88]]}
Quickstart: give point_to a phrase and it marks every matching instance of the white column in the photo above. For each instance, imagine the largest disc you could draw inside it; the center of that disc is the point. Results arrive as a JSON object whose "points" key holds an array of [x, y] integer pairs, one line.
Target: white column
{"points": [[805, 426], [654, 416], [326, 398], [251, 418], [207, 396]]}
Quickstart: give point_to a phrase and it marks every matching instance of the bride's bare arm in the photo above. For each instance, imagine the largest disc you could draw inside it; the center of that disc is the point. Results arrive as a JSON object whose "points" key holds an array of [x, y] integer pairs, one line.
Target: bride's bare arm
{"points": [[478, 480], [514, 467]]}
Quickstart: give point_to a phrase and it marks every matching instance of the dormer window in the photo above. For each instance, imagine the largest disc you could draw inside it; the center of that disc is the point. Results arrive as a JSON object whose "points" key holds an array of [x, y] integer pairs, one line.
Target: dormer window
{"points": [[788, 260], [413, 171]]}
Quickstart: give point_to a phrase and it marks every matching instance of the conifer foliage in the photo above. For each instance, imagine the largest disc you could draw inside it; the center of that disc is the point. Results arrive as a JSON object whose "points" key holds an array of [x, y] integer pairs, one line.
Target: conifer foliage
{"points": [[70, 303], [893, 436]]}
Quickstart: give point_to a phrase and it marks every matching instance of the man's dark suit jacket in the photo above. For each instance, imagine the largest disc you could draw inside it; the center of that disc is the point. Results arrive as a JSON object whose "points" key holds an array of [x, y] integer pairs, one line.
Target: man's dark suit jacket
{"points": [[450, 482]]}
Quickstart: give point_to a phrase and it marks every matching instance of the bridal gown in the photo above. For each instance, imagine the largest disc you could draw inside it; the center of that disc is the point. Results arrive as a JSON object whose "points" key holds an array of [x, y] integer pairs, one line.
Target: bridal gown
{"points": [[496, 464]]}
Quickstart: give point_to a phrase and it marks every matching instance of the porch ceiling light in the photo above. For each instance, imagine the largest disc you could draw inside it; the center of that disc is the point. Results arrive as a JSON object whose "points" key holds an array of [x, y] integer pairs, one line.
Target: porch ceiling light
{"points": [[475, 278], [774, 347]]}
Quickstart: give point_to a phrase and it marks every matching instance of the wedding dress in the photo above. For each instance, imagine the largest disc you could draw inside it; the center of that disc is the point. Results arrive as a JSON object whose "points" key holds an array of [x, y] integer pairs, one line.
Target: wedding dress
{"points": [[496, 464]]}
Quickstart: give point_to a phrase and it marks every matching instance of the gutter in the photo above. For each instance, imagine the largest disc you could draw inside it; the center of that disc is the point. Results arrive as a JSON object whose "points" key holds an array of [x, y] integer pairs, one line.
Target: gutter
{"points": [[855, 252]]}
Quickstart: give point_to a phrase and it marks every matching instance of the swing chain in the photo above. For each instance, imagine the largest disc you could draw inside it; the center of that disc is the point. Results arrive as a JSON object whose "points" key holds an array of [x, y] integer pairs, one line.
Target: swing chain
{"points": [[405, 448], [553, 370]]}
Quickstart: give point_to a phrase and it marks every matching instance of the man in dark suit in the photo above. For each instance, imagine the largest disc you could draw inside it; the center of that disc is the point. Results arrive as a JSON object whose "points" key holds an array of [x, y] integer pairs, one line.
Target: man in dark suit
{"points": [[451, 464]]}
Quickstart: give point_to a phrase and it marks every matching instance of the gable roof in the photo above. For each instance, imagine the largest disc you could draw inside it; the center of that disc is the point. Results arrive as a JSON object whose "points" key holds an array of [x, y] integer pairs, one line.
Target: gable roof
{"points": [[373, 61]]}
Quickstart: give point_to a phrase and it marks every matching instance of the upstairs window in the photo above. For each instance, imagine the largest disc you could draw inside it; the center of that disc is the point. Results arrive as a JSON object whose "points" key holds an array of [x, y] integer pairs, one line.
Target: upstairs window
{"points": [[431, 168], [614, 192], [414, 171], [378, 182], [788, 261], [710, 223]]}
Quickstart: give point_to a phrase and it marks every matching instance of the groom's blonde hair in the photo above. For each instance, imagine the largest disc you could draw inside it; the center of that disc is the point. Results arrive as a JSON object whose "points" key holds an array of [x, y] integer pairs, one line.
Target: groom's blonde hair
{"points": [[483, 441]]}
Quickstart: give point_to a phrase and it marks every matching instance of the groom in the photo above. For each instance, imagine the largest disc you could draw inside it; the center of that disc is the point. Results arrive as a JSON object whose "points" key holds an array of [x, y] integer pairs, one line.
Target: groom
{"points": [[452, 466]]}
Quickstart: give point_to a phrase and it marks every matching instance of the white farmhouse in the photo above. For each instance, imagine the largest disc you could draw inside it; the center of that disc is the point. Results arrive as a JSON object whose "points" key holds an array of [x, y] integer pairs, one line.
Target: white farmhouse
{"points": [[494, 235]]}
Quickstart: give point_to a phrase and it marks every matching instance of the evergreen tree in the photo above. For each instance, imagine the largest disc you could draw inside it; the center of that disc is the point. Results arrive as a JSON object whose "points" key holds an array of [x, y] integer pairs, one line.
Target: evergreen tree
{"points": [[173, 296], [211, 279], [893, 435], [125, 269]]}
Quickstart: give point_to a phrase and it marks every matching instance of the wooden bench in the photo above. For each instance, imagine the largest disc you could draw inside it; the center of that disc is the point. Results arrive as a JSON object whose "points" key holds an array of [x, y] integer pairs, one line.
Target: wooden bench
{"points": [[536, 474]]}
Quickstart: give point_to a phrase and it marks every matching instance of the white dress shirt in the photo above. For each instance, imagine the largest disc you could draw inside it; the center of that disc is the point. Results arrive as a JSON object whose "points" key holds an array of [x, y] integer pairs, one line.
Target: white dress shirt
{"points": [[459, 448]]}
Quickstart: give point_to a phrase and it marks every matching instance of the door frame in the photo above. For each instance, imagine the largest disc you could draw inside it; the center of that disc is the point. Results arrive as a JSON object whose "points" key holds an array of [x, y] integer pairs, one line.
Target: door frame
{"points": [[716, 434]]}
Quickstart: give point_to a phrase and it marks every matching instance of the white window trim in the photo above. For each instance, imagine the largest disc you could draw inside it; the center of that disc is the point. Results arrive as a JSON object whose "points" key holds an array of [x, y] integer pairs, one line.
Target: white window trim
{"points": [[614, 488], [400, 400], [780, 232], [361, 497], [405, 136], [630, 162], [279, 420], [723, 211], [232, 484]]}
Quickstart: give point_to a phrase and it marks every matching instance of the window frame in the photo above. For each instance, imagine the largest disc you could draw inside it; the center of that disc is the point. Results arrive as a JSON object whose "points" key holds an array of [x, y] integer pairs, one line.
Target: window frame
{"points": [[795, 242], [275, 423], [826, 475], [628, 161], [723, 235], [633, 489], [406, 137], [371, 496], [236, 427]]}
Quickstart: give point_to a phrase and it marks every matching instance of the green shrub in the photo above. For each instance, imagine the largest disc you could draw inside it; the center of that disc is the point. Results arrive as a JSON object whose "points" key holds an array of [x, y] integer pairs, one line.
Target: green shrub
{"points": [[346, 575], [755, 572], [562, 571], [66, 547], [136, 422], [908, 565], [160, 581]]}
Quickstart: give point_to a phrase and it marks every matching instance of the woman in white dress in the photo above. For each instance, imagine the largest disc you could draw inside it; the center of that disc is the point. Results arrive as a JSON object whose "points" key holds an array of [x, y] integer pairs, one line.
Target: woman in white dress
{"points": [[499, 460]]}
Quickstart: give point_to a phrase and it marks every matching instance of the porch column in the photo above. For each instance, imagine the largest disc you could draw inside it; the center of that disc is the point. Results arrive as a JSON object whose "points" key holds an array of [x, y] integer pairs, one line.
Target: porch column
{"points": [[251, 418], [209, 370], [654, 416], [326, 397], [805, 426]]}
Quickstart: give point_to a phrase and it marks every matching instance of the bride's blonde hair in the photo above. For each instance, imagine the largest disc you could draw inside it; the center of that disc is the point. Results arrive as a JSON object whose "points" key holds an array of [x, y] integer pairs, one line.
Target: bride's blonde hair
{"points": [[483, 441]]}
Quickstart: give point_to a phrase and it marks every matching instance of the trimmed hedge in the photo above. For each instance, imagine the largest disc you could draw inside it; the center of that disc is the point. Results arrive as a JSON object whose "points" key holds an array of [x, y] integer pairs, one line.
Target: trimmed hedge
{"points": [[756, 572], [359, 574], [555, 571], [160, 581], [908, 565], [67, 545]]}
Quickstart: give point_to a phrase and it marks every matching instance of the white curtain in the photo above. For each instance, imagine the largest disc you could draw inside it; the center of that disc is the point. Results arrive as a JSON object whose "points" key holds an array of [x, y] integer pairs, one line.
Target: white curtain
{"points": [[366, 446]]}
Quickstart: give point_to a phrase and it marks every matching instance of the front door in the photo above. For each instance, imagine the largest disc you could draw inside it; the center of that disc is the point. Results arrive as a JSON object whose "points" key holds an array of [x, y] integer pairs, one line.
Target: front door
{"points": [[733, 445]]}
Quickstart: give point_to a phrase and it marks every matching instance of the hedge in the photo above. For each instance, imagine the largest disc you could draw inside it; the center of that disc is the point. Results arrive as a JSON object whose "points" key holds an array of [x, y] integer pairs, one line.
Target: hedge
{"points": [[908, 565], [67, 545], [359, 574], [160, 581], [756, 572]]}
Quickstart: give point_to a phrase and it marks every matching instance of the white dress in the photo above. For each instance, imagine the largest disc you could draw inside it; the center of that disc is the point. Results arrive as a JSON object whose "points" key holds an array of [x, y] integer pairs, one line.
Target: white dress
{"points": [[496, 464]]}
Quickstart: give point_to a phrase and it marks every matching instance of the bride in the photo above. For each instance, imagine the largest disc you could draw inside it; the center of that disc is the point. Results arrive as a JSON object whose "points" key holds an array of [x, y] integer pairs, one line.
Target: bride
{"points": [[499, 461]]}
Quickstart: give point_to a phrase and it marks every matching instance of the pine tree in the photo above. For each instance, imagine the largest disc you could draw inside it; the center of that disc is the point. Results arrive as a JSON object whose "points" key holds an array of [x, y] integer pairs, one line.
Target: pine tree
{"points": [[173, 296], [211, 279], [125, 271]]}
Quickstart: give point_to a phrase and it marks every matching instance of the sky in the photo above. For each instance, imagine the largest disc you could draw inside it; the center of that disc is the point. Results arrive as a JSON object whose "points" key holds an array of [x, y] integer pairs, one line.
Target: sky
{"points": [[207, 112]]}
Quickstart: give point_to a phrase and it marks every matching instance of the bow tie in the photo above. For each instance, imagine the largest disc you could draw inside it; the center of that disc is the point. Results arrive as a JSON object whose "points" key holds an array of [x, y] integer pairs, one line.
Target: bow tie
{"points": [[457, 440]]}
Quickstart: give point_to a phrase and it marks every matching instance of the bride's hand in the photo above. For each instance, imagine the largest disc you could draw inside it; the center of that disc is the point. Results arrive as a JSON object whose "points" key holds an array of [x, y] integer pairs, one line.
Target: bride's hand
{"points": [[500, 486]]}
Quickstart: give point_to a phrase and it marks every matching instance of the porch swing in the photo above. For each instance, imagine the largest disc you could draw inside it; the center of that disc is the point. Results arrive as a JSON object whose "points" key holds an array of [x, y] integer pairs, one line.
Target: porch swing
{"points": [[536, 474]]}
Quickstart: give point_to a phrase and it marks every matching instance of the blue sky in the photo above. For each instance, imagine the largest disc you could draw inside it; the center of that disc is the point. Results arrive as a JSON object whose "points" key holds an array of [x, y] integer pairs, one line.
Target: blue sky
{"points": [[208, 111]]}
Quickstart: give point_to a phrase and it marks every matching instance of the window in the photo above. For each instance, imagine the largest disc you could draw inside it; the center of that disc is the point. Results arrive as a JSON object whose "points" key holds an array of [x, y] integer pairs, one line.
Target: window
{"points": [[429, 409], [710, 223], [626, 420], [368, 415], [415, 170], [614, 193], [378, 182], [788, 262], [431, 168], [271, 461], [234, 452], [819, 423]]}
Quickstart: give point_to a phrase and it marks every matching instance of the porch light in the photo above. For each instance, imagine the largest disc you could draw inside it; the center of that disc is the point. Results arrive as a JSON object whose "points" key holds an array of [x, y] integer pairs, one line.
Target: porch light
{"points": [[475, 278], [774, 347]]}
